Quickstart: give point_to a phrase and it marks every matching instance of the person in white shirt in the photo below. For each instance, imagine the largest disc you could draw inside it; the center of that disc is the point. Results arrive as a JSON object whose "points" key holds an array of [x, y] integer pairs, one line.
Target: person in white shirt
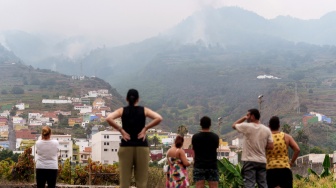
{"points": [[257, 138], [47, 160]]}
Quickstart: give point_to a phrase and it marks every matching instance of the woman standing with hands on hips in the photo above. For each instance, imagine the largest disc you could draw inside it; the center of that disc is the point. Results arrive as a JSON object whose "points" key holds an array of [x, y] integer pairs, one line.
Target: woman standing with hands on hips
{"points": [[134, 150]]}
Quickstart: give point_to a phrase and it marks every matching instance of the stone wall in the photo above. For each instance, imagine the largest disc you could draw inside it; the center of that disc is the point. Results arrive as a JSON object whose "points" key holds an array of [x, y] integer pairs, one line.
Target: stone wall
{"points": [[303, 169]]}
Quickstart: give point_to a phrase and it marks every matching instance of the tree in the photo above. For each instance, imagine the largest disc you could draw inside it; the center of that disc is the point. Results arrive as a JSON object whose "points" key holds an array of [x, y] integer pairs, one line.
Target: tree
{"points": [[17, 90], [286, 128], [182, 130], [302, 137], [156, 140], [23, 170], [317, 150]]}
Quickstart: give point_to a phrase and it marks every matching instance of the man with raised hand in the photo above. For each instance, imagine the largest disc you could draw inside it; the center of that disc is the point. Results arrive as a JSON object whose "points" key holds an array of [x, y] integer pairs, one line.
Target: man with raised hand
{"points": [[257, 138]]}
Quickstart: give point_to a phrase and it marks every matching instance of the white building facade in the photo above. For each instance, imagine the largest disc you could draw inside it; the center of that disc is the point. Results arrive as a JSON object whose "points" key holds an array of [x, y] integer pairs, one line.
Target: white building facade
{"points": [[105, 146]]}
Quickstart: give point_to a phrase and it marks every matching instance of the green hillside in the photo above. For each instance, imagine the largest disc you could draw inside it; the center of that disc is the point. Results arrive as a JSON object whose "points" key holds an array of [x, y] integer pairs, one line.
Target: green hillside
{"points": [[21, 83]]}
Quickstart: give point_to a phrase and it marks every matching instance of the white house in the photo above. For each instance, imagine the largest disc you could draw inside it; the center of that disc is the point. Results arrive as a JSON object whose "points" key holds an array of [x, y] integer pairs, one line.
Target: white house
{"points": [[56, 101], [18, 120], [34, 115], [82, 143], [105, 146], [4, 128], [20, 106], [83, 108], [93, 94]]}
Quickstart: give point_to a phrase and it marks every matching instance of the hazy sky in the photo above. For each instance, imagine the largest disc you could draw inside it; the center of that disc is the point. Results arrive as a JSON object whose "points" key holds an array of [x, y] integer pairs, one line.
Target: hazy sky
{"points": [[124, 21]]}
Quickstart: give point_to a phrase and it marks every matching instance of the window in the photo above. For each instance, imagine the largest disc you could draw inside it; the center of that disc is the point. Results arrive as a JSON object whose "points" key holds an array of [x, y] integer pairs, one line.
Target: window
{"points": [[107, 136], [104, 136], [65, 146], [66, 155], [105, 149], [104, 143], [108, 143]]}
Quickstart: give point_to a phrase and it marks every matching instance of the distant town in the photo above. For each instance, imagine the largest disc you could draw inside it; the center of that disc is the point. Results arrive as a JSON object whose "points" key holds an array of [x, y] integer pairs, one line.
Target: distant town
{"points": [[17, 133]]}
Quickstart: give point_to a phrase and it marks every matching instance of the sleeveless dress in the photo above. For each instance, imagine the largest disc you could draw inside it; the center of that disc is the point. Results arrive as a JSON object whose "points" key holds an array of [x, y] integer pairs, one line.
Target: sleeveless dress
{"points": [[177, 175]]}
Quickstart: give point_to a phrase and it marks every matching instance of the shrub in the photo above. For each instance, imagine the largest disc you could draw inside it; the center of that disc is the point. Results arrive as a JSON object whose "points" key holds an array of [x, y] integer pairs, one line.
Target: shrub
{"points": [[23, 170]]}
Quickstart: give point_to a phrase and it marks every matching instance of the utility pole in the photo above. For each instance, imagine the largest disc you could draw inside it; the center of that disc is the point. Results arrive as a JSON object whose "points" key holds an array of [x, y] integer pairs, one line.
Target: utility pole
{"points": [[260, 101], [219, 123]]}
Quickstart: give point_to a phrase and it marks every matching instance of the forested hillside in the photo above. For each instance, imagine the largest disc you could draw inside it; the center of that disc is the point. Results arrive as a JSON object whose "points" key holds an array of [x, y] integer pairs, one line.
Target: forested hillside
{"points": [[21, 83]]}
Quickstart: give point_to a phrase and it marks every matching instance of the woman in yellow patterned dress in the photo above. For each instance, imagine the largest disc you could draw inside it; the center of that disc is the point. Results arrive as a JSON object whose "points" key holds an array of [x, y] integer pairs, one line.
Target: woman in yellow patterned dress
{"points": [[177, 175], [278, 172]]}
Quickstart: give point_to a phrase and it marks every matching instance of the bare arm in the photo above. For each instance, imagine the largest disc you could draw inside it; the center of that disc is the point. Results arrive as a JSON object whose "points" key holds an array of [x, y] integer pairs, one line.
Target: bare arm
{"points": [[110, 120], [156, 119], [183, 158], [241, 120], [269, 145], [295, 147]]}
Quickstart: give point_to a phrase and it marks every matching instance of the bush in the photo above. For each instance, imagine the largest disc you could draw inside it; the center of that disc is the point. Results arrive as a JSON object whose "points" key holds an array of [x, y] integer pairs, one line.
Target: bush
{"points": [[17, 90], [23, 170]]}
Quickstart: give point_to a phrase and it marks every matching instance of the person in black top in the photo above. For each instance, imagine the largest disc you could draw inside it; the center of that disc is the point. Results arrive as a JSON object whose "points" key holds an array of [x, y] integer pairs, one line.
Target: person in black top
{"points": [[134, 150], [205, 144]]}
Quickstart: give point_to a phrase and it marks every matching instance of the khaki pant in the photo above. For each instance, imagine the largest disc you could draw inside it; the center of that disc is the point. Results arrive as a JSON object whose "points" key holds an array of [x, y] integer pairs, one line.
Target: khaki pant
{"points": [[139, 158]]}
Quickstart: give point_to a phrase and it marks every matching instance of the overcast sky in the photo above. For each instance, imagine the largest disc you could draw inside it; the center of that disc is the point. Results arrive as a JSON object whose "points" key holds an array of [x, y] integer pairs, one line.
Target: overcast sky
{"points": [[124, 21]]}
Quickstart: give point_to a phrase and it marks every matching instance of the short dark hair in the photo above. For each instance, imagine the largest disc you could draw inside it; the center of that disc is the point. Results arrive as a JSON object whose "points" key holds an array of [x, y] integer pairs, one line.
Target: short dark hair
{"points": [[179, 141], [205, 122], [255, 113], [274, 123]]}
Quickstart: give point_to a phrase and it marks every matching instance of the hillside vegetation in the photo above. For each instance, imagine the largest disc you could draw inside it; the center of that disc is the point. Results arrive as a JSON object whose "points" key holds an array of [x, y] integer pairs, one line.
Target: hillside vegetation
{"points": [[21, 83], [187, 73]]}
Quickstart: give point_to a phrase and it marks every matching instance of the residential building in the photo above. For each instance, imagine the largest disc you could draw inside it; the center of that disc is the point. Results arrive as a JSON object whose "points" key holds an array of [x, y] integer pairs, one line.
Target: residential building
{"points": [[156, 155], [4, 128], [56, 101], [18, 120], [20, 106], [3, 121], [85, 155], [26, 143], [73, 121], [83, 108], [86, 100], [98, 103], [75, 153], [25, 134], [4, 144], [105, 146], [82, 143]]}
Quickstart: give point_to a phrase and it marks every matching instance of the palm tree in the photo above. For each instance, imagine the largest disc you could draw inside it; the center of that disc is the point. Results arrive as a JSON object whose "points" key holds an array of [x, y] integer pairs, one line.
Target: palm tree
{"points": [[182, 130], [155, 140]]}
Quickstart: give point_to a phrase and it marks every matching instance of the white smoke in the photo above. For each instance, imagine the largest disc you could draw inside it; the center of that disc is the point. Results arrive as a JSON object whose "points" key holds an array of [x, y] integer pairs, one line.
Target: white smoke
{"points": [[4, 43]]}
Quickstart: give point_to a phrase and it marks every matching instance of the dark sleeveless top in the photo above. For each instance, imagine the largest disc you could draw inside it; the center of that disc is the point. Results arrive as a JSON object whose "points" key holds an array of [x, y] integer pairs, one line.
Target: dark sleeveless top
{"points": [[133, 121]]}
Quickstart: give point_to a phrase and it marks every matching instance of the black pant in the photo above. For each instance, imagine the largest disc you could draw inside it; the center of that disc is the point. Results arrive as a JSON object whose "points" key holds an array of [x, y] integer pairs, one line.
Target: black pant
{"points": [[46, 175], [281, 177]]}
